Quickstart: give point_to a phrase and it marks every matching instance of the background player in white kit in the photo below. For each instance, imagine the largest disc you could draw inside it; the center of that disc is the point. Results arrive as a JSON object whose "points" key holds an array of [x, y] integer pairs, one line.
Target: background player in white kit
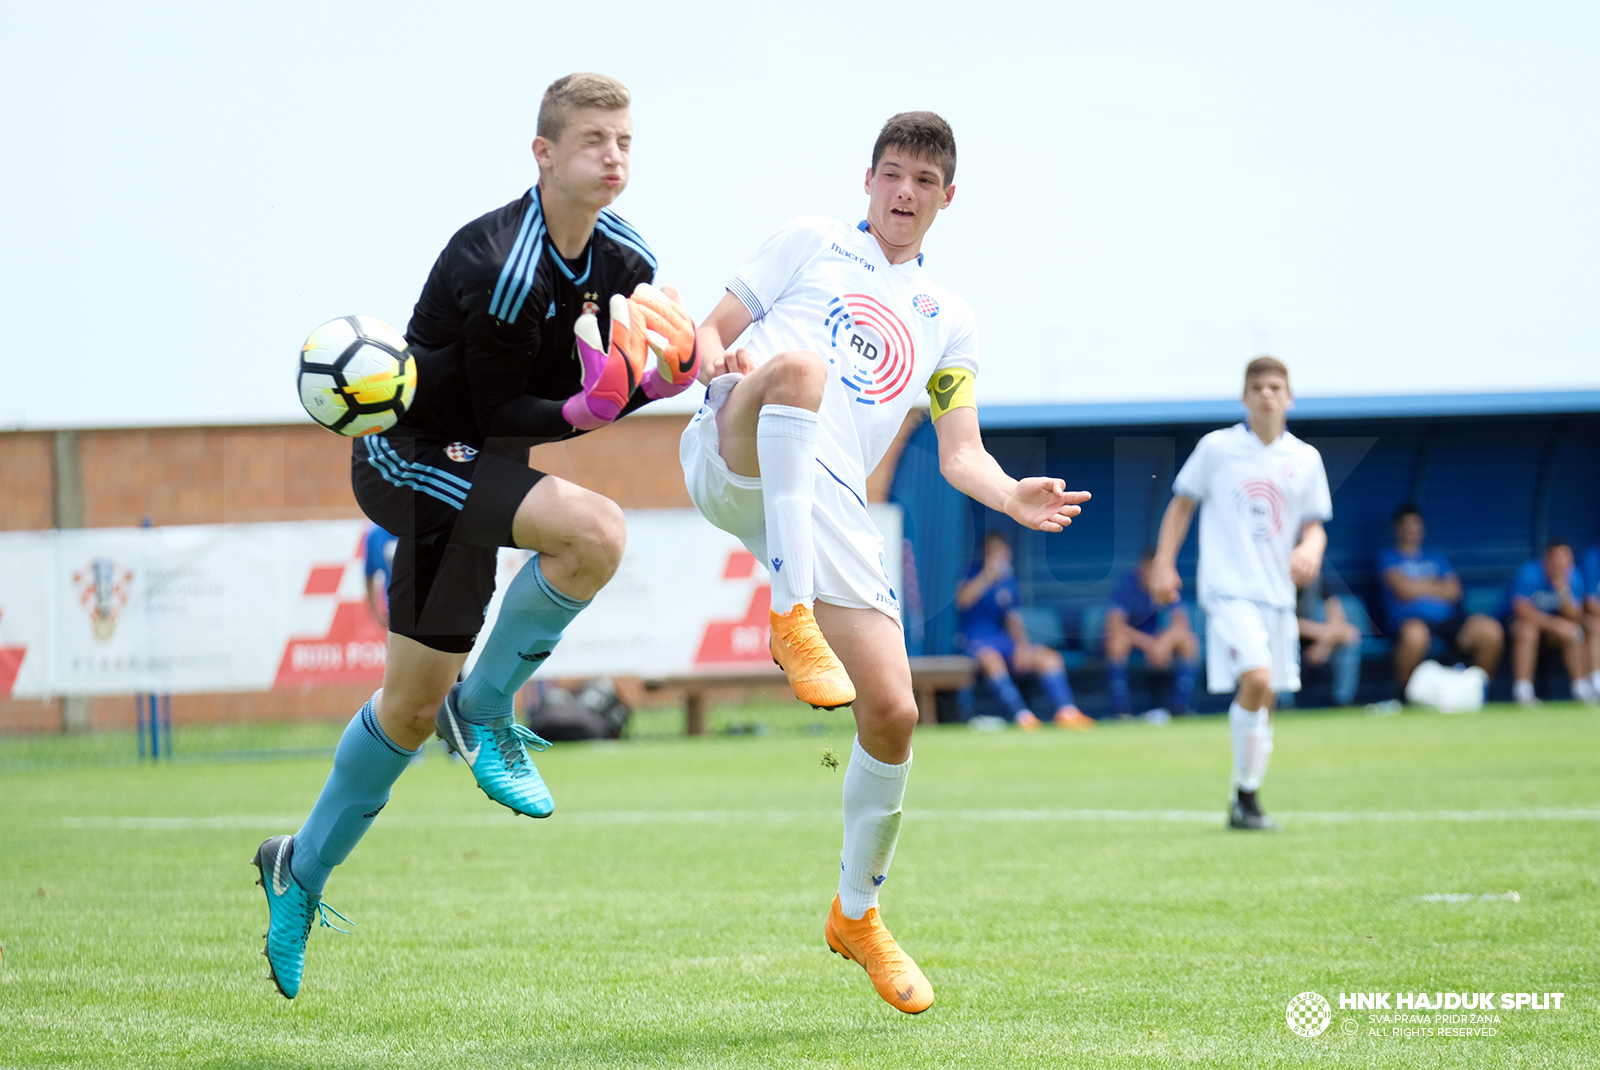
{"points": [[1266, 498], [847, 327]]}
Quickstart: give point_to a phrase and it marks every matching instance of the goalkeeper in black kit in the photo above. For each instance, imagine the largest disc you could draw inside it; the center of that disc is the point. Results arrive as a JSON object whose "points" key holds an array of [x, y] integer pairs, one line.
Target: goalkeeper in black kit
{"points": [[538, 322]]}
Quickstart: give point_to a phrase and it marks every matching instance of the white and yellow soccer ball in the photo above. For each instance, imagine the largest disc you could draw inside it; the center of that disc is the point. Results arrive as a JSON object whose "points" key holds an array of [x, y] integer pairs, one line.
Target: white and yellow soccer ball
{"points": [[357, 376]]}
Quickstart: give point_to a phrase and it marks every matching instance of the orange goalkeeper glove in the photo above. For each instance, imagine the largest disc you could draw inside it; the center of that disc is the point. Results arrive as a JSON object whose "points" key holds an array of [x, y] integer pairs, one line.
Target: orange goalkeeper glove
{"points": [[671, 336]]}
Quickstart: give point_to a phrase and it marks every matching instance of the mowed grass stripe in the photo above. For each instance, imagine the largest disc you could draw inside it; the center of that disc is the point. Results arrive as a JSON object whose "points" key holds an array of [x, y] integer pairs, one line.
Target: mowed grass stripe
{"points": [[691, 817]]}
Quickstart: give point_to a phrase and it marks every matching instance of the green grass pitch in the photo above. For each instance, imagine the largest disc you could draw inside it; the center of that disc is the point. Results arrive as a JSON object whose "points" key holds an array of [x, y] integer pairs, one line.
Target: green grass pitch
{"points": [[1073, 898]]}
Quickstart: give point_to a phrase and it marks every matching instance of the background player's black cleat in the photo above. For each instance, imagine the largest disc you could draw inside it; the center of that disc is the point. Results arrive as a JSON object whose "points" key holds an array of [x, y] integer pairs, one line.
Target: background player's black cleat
{"points": [[1245, 813]]}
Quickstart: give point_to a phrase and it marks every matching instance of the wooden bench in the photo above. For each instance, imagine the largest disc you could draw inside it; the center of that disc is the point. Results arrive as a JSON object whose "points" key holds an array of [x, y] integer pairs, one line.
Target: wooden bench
{"points": [[928, 677]]}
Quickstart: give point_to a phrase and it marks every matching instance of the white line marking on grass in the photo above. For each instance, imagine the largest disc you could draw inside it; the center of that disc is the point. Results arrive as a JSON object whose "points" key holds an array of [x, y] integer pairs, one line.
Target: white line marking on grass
{"points": [[699, 817], [1461, 897]]}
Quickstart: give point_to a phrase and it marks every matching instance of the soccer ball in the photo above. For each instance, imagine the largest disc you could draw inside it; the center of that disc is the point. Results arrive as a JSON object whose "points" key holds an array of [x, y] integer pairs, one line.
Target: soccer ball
{"points": [[357, 376]]}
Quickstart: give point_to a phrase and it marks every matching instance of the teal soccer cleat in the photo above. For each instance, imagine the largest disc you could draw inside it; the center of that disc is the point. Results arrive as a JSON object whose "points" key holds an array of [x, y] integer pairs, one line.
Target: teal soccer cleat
{"points": [[291, 910], [497, 753]]}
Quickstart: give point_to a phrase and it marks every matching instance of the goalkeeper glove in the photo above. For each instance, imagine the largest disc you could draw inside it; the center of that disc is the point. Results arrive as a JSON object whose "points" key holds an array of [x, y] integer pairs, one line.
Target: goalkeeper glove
{"points": [[671, 336], [610, 373]]}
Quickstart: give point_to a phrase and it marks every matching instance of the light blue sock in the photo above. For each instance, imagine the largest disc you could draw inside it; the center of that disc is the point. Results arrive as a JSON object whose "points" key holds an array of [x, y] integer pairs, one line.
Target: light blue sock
{"points": [[1117, 681], [1056, 686], [1007, 692], [532, 618], [365, 766]]}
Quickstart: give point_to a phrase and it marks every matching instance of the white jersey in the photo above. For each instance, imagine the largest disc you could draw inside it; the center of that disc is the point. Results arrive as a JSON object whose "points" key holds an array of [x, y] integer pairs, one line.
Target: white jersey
{"points": [[884, 329], [1253, 498]]}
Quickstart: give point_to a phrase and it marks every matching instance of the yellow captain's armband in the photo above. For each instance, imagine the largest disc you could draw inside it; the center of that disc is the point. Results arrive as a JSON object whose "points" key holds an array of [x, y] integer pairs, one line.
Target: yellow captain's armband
{"points": [[951, 390]]}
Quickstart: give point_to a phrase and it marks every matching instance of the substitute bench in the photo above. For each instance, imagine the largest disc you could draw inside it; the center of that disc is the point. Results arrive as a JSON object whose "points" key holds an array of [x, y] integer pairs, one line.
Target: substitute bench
{"points": [[928, 677]]}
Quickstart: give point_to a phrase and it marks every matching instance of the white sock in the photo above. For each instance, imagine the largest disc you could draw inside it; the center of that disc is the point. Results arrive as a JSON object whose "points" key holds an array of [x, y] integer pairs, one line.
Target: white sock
{"points": [[786, 449], [1522, 690], [873, 791], [1594, 680], [1582, 690], [1252, 746]]}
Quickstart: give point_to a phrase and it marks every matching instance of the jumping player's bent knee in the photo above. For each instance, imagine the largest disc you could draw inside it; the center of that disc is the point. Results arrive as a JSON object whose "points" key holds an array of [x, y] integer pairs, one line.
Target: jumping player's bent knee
{"points": [[605, 538], [796, 378]]}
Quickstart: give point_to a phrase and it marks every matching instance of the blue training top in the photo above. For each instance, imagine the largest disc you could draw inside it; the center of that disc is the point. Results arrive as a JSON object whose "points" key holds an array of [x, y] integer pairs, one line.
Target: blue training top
{"points": [[987, 616], [1422, 565], [1136, 603], [1532, 583]]}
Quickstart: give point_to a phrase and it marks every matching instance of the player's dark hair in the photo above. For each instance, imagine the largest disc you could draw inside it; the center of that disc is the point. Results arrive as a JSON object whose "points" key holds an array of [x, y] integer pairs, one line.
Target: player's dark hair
{"points": [[1405, 509], [921, 133], [1266, 366], [583, 90], [1555, 542], [996, 535]]}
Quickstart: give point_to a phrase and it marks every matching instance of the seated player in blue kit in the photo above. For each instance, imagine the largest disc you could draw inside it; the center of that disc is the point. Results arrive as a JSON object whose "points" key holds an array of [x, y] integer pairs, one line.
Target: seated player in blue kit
{"points": [[1545, 612], [995, 636], [1162, 635], [1422, 599]]}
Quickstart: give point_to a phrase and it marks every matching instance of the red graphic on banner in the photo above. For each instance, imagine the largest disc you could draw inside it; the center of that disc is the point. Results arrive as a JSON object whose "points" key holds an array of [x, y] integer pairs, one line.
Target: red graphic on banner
{"points": [[744, 640], [324, 579], [10, 665], [353, 650]]}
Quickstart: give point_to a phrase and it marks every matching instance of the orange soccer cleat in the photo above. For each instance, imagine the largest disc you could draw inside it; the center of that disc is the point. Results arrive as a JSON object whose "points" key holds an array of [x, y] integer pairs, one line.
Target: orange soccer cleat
{"points": [[813, 669], [893, 974], [1074, 718]]}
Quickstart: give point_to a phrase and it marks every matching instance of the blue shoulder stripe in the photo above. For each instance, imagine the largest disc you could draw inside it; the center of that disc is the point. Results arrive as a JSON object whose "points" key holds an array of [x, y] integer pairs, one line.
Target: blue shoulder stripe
{"points": [[526, 274], [622, 225], [627, 237], [531, 231]]}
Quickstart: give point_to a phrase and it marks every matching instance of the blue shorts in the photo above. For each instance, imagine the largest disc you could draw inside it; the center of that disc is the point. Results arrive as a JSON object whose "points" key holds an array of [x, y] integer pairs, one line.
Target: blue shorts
{"points": [[997, 641]]}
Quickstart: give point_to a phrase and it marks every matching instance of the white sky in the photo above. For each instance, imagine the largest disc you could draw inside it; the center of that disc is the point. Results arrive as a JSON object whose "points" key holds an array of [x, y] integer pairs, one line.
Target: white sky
{"points": [[1393, 198]]}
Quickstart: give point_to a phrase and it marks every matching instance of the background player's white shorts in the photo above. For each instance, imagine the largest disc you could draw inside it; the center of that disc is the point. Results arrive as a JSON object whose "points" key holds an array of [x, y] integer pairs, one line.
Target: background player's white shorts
{"points": [[848, 563], [1242, 635]]}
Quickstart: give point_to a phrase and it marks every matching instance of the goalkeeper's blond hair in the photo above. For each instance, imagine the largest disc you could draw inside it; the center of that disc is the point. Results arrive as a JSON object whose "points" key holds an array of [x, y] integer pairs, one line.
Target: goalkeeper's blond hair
{"points": [[574, 92]]}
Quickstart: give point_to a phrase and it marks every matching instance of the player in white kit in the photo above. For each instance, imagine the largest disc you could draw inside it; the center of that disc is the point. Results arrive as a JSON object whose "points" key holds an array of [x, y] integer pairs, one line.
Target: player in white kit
{"points": [[1265, 498], [846, 327]]}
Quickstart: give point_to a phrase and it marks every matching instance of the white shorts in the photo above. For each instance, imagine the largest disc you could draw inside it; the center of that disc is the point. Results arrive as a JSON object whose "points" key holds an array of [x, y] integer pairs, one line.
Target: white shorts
{"points": [[1242, 635], [848, 567]]}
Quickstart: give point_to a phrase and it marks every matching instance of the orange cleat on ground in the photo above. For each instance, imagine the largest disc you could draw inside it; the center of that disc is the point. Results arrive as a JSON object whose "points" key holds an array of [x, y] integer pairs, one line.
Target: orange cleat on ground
{"points": [[1074, 718], [1027, 721], [893, 974], [803, 654]]}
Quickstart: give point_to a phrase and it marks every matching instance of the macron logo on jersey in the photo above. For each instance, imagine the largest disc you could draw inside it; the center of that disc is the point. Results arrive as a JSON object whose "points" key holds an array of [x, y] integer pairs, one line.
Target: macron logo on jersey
{"points": [[848, 255]]}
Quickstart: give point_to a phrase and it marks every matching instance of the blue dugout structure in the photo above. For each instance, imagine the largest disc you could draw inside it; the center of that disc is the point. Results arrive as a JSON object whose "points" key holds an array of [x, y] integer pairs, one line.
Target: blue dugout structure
{"points": [[1495, 475]]}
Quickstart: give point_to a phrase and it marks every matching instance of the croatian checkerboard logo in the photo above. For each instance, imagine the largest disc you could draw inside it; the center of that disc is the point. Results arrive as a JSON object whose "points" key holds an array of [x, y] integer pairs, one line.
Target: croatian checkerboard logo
{"points": [[925, 305], [1308, 1014]]}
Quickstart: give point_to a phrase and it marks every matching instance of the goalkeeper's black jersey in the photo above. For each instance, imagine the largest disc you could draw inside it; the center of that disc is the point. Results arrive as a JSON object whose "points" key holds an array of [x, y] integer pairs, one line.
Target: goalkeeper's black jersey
{"points": [[492, 331]]}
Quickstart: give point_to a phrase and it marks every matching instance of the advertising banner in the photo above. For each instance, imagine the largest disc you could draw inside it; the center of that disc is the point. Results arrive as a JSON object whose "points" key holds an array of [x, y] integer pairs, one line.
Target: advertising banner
{"points": [[253, 607]]}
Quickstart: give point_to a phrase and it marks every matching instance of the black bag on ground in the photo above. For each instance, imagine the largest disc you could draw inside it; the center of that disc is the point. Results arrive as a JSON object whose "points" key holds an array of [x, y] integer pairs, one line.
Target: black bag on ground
{"points": [[594, 712]]}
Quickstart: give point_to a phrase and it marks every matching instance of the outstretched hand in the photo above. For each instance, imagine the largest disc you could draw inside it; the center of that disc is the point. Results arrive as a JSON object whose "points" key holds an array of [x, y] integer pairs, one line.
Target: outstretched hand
{"points": [[1044, 504]]}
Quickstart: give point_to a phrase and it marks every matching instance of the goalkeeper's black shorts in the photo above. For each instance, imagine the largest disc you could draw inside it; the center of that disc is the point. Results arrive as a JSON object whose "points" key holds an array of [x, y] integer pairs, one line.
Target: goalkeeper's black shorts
{"points": [[451, 508]]}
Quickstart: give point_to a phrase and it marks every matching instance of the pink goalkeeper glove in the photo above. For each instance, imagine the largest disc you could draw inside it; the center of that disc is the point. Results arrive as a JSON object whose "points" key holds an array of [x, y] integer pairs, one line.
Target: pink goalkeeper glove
{"points": [[611, 373]]}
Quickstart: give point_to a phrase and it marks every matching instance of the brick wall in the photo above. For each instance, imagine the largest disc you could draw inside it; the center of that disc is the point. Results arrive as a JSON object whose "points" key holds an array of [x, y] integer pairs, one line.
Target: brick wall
{"points": [[25, 480], [210, 475]]}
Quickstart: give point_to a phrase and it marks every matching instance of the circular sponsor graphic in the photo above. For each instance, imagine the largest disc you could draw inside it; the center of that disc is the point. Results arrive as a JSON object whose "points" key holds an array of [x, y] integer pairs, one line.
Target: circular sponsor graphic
{"points": [[1261, 505], [925, 305], [871, 347], [1308, 1014]]}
